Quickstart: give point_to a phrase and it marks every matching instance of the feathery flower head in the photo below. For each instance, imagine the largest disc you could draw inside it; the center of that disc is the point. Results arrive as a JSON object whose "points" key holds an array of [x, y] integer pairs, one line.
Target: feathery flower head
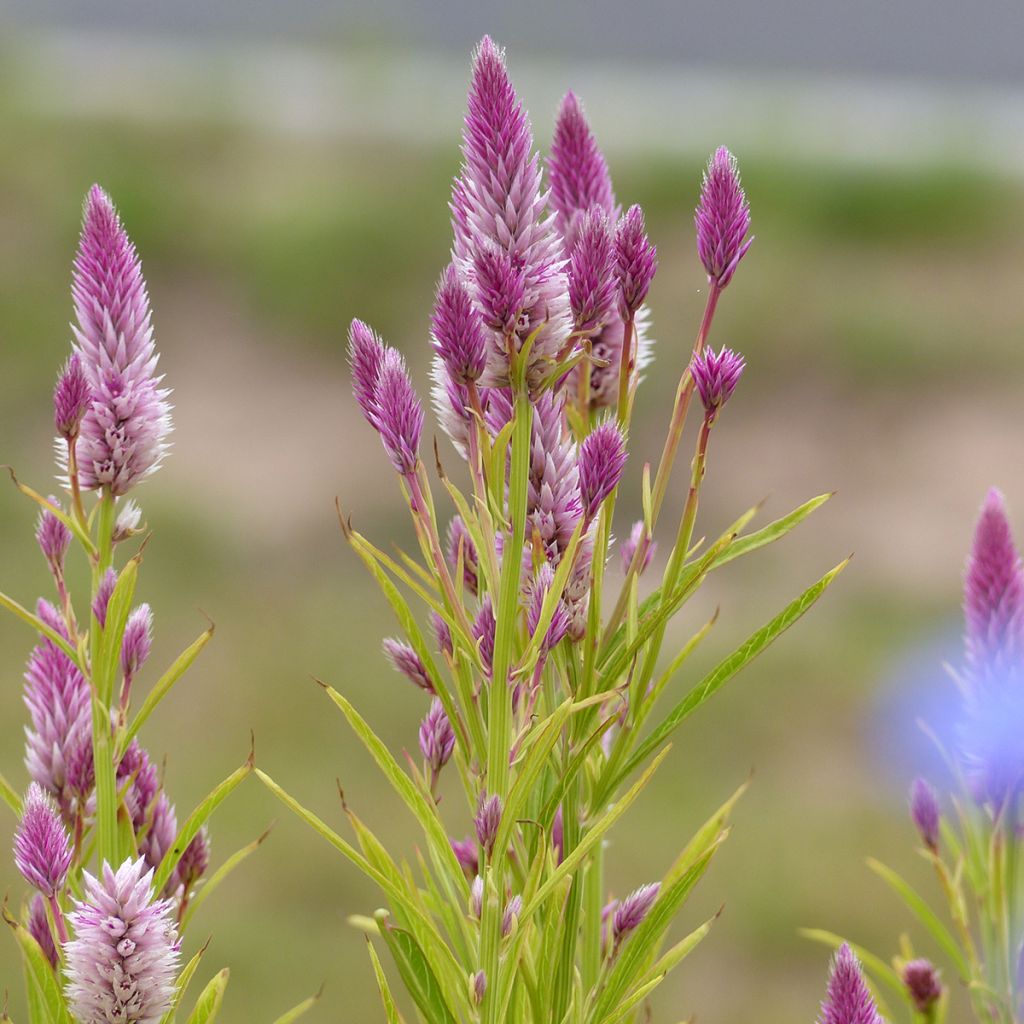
{"points": [[722, 218], [42, 850], [487, 820], [716, 377], [577, 171], [924, 810], [137, 641], [53, 538], [636, 261], [542, 582], [123, 435], [123, 961], [500, 288], [408, 662], [497, 201], [366, 357], [194, 861], [129, 516], [923, 983], [399, 414], [437, 738], [629, 913], [592, 280], [628, 548], [71, 398], [467, 854], [994, 594], [39, 928], [457, 330], [442, 634], [459, 541], [602, 458], [848, 999], [104, 592]]}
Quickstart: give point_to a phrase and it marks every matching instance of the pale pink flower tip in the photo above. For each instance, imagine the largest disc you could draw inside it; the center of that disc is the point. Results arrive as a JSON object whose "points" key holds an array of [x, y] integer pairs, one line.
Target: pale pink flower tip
{"points": [[722, 218], [122, 963], [848, 999], [716, 376], [602, 458], [42, 850], [123, 435]]}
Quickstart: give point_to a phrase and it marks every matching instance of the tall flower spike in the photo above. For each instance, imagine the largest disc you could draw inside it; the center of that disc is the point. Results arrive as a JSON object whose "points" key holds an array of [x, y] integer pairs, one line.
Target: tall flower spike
{"points": [[408, 662], [924, 810], [457, 330], [577, 171], [848, 999], [399, 413], [42, 850], [53, 538], [636, 261], [602, 459], [122, 963], [716, 377], [437, 738], [592, 281], [994, 594], [722, 218], [71, 398], [366, 356], [123, 435], [497, 201]]}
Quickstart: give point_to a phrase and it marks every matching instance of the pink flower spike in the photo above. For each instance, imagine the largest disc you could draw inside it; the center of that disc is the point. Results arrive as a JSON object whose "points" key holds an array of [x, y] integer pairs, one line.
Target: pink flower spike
{"points": [[103, 594], [925, 813], [636, 261], [716, 377], [602, 459], [722, 219], [71, 398], [487, 820], [366, 356], [53, 538], [848, 999], [39, 928], [408, 662], [42, 850], [630, 913], [457, 330], [592, 281], [399, 413], [437, 738]]}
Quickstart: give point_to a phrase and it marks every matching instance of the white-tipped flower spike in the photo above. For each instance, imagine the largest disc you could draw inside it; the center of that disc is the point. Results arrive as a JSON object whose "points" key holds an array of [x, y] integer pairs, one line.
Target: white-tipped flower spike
{"points": [[123, 434], [42, 850], [123, 961]]}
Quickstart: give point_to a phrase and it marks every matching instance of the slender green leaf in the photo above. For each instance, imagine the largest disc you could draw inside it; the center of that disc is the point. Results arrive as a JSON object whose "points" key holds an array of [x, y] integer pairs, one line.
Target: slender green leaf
{"points": [[10, 797], [416, 972], [164, 684], [112, 633], [920, 909], [772, 532], [40, 977], [726, 669], [196, 820], [214, 881], [297, 1011], [39, 626], [71, 522], [208, 1004], [390, 1010], [181, 985]]}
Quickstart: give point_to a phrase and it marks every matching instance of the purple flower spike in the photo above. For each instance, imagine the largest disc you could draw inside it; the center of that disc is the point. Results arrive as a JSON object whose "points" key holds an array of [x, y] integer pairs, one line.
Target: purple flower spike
{"points": [[366, 356], [994, 594], [923, 983], [722, 219], [458, 332], [194, 861], [559, 627], [553, 494], [399, 413], [123, 435], [476, 897], [487, 820], [437, 738], [123, 961], [42, 850], [479, 987], [39, 928], [103, 594], [636, 261], [510, 917], [500, 288], [442, 634], [716, 377], [577, 171], [848, 999], [137, 641], [592, 280], [630, 913], [924, 810], [631, 543], [602, 459], [53, 538], [467, 855], [71, 398], [408, 662], [484, 627]]}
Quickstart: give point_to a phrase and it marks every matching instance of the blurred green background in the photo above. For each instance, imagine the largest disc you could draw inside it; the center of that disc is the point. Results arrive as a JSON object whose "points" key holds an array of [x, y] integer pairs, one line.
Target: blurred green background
{"points": [[881, 312]]}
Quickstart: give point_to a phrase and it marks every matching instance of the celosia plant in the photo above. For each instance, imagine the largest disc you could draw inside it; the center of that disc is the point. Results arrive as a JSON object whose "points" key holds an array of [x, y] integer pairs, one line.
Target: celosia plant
{"points": [[547, 683], [975, 851], [117, 880]]}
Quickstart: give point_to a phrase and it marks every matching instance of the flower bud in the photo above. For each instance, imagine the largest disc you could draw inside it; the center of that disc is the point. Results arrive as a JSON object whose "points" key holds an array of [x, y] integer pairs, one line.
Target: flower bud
{"points": [[602, 458], [636, 261], [437, 739], [924, 810], [922, 980], [716, 377], [487, 820]]}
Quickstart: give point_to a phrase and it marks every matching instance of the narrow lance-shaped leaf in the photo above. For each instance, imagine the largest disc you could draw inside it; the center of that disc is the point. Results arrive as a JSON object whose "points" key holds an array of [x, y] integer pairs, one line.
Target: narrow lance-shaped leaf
{"points": [[302, 1008], [218, 877], [181, 986], [208, 1004], [390, 1010], [416, 972], [40, 975]]}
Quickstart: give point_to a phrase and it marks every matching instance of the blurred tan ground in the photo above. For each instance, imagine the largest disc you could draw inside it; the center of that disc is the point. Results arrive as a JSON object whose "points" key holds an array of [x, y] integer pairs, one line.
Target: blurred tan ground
{"points": [[882, 316]]}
